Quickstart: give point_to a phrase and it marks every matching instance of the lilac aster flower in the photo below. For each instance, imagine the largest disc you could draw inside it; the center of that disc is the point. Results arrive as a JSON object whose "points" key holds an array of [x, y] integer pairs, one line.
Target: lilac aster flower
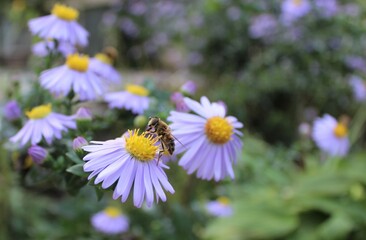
{"points": [[78, 143], [110, 221], [45, 47], [12, 110], [102, 65], [135, 99], [43, 123], [83, 113], [331, 136], [178, 99], [327, 8], [60, 25], [37, 153], [293, 10], [74, 75], [356, 63], [126, 161], [212, 140], [189, 87], [263, 26], [358, 86], [220, 208]]}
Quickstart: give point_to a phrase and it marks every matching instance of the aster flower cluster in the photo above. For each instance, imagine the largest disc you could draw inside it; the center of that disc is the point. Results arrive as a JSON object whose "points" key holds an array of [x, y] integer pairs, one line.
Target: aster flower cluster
{"points": [[57, 137]]}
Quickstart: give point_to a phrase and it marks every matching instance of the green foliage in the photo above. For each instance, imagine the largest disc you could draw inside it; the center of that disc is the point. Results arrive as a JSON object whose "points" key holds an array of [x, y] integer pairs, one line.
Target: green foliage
{"points": [[315, 203]]}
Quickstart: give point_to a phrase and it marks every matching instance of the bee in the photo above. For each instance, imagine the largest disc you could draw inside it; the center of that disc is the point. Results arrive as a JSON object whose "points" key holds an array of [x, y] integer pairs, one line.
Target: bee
{"points": [[159, 128]]}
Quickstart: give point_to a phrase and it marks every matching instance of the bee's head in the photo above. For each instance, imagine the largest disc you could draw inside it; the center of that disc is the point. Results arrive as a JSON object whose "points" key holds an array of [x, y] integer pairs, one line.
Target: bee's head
{"points": [[152, 124]]}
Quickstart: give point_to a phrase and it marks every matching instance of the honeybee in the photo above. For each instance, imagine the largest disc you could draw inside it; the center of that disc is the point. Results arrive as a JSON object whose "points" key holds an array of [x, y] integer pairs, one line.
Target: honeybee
{"points": [[158, 127]]}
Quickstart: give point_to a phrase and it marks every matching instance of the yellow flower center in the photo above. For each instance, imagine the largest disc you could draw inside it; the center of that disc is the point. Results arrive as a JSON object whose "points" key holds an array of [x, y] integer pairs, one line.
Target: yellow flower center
{"points": [[64, 12], [103, 58], [223, 200], [340, 130], [137, 90], [218, 130], [78, 62], [142, 147], [112, 212], [39, 112]]}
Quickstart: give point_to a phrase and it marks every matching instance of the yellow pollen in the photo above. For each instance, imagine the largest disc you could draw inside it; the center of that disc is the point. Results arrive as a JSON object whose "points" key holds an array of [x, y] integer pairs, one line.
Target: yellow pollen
{"points": [[137, 90], [103, 58], [112, 212], [223, 200], [64, 12], [218, 130], [142, 147], [77, 62], [39, 112], [340, 130]]}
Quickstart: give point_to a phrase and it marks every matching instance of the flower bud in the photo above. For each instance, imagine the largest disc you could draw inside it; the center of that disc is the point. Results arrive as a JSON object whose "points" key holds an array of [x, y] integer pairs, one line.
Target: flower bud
{"points": [[189, 88], [83, 119], [78, 143], [12, 110], [37, 153], [140, 121]]}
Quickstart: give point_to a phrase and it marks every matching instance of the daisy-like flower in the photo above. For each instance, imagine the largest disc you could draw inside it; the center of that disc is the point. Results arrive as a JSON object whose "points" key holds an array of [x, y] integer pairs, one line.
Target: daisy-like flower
{"points": [[358, 86], [110, 221], [330, 135], [43, 123], [135, 98], [60, 25], [220, 208], [12, 110], [126, 161], [44, 48], [102, 65], [74, 75], [212, 140], [294, 9]]}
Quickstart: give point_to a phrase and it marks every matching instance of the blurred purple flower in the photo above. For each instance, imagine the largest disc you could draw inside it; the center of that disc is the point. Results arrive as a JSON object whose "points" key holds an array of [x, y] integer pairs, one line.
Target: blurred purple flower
{"points": [[178, 99], [327, 8], [293, 10], [83, 113], [37, 153], [129, 27], [12, 110], [262, 26], [189, 87], [78, 143], [304, 129], [356, 63], [109, 19], [195, 58], [220, 208], [110, 221], [60, 25], [358, 86], [138, 8], [45, 47], [44, 123], [331, 136]]}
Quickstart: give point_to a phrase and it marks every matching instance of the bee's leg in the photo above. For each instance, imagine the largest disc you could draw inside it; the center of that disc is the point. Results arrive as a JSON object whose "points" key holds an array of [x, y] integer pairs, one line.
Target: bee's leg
{"points": [[161, 151]]}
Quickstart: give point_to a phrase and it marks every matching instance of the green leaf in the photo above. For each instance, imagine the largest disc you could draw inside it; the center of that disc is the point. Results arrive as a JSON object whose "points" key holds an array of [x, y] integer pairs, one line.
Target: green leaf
{"points": [[74, 157], [77, 170]]}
